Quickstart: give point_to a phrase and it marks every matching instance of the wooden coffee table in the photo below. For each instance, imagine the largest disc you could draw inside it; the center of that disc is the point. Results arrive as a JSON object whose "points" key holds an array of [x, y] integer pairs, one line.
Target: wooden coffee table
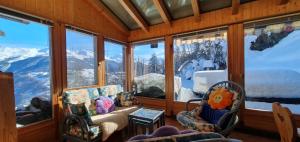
{"points": [[146, 119]]}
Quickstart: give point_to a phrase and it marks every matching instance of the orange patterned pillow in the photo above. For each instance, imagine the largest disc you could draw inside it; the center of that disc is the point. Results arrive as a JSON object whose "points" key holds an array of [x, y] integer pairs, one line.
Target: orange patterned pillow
{"points": [[220, 98]]}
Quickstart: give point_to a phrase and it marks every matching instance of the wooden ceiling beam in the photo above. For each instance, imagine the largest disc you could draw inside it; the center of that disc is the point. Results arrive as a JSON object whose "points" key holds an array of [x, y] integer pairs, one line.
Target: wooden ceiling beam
{"points": [[160, 6], [133, 12], [235, 6], [281, 2], [109, 15], [196, 9]]}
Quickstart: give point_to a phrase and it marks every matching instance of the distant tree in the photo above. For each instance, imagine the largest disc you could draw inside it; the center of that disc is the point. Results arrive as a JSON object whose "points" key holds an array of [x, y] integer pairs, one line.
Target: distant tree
{"points": [[153, 64], [219, 57], [177, 58]]}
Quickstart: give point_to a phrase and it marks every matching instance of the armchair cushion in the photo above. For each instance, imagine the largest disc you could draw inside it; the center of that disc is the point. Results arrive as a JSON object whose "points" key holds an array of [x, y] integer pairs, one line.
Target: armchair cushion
{"points": [[186, 119], [75, 130], [212, 115]]}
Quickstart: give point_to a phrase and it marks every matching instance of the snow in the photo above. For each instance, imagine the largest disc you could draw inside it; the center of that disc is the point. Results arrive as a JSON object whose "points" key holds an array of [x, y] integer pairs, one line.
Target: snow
{"points": [[80, 54], [273, 72], [204, 79], [262, 106], [17, 54]]}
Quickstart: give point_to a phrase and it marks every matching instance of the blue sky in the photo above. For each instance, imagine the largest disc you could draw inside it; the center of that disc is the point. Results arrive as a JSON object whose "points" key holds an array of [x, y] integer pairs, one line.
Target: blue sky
{"points": [[145, 51], [32, 35], [35, 35]]}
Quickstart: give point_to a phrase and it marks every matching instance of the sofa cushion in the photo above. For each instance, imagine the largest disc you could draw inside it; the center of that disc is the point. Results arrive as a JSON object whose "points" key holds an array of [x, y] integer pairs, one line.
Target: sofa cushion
{"points": [[110, 90], [85, 95], [186, 119], [110, 123], [125, 110], [113, 121]]}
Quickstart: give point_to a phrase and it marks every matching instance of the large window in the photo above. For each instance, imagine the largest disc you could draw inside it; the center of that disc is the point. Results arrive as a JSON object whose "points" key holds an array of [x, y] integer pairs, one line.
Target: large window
{"points": [[114, 63], [272, 67], [81, 59], [25, 51], [200, 60], [149, 69]]}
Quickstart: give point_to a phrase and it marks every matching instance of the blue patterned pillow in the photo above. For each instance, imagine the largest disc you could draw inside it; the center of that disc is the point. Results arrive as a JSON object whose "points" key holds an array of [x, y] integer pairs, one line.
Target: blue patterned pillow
{"points": [[212, 115]]}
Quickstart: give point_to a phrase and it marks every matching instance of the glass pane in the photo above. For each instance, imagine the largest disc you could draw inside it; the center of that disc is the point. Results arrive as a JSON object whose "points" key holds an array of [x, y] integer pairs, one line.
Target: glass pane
{"points": [[148, 11], [272, 67], [121, 13], [81, 59], [179, 8], [200, 60], [25, 51], [210, 5], [149, 69], [114, 63]]}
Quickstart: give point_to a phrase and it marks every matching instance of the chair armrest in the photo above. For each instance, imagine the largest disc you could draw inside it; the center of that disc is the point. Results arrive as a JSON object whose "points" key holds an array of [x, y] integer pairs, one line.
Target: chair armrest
{"points": [[188, 102], [74, 119]]}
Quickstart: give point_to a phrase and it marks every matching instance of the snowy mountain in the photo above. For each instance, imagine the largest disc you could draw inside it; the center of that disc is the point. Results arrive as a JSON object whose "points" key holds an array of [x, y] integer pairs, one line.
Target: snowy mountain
{"points": [[31, 68]]}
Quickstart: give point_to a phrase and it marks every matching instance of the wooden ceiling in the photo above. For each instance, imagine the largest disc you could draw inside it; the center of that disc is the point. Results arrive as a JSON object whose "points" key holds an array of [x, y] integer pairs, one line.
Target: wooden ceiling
{"points": [[130, 15]]}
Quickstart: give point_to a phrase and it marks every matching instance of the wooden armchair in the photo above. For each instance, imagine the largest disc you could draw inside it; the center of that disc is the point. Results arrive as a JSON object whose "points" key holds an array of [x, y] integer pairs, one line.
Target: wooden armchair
{"points": [[285, 123]]}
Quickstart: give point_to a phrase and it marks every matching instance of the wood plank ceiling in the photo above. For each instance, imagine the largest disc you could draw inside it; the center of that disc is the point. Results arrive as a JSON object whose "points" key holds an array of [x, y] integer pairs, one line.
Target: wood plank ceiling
{"points": [[141, 14]]}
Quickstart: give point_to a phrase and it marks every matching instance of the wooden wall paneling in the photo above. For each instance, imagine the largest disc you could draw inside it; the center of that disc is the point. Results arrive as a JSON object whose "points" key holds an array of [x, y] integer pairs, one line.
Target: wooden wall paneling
{"points": [[169, 81], [78, 13], [152, 102], [109, 15], [180, 106], [8, 130], [250, 11], [101, 60]]}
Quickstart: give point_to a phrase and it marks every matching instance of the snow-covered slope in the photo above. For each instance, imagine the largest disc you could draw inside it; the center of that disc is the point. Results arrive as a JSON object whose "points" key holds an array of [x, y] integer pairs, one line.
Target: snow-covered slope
{"points": [[273, 72]]}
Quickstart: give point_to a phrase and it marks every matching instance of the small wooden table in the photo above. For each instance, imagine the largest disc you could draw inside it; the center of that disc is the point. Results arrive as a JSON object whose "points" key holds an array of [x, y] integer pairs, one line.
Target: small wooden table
{"points": [[146, 119]]}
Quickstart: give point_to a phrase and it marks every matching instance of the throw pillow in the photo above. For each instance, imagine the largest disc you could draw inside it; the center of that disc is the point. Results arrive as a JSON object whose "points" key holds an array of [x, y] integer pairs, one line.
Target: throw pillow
{"points": [[212, 115], [81, 111], [104, 105], [220, 98], [125, 99]]}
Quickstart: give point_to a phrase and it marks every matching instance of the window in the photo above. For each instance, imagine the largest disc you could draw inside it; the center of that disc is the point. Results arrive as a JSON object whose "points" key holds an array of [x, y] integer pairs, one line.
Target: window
{"points": [[81, 59], [114, 63], [25, 51], [272, 67], [149, 69], [200, 60]]}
